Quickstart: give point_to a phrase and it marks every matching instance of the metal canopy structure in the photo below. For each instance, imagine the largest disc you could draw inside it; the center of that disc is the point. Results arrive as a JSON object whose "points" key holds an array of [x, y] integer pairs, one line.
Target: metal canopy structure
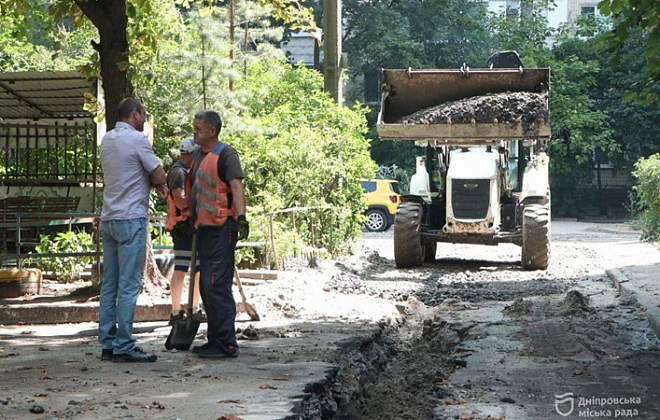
{"points": [[35, 95]]}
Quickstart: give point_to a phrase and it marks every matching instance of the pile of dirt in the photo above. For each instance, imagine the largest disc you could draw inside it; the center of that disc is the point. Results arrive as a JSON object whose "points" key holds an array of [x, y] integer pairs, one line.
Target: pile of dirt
{"points": [[576, 302], [527, 108], [518, 307]]}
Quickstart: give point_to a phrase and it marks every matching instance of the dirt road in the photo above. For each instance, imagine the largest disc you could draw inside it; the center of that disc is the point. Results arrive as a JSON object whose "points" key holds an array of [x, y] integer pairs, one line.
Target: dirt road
{"points": [[470, 336]]}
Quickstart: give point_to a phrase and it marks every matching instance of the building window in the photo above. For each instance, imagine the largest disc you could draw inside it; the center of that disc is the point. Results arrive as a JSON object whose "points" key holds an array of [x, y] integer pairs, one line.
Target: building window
{"points": [[588, 10], [512, 8]]}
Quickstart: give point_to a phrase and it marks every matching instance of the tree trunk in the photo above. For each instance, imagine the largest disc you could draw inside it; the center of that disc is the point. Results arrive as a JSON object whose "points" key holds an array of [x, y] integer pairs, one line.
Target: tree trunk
{"points": [[153, 281], [110, 19]]}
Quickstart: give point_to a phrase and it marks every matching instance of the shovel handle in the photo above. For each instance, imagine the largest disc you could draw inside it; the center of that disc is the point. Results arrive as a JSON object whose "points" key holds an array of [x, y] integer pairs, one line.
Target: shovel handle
{"points": [[193, 273]]}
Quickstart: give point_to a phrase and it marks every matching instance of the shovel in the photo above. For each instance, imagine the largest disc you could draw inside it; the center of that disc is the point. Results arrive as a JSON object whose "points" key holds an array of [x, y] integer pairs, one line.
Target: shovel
{"points": [[245, 306], [184, 330]]}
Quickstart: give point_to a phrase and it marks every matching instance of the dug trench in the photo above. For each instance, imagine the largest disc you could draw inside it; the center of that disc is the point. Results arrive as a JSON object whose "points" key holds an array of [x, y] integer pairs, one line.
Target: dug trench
{"points": [[479, 338]]}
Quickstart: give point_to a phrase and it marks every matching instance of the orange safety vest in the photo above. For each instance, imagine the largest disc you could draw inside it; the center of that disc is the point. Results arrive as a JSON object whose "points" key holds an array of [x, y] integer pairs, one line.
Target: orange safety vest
{"points": [[174, 214], [212, 195]]}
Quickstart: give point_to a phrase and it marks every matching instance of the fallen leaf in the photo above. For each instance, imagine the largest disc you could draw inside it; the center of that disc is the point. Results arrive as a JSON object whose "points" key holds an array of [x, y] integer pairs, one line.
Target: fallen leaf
{"points": [[229, 402], [577, 372], [266, 386], [134, 381], [465, 416], [230, 417], [453, 401], [41, 395]]}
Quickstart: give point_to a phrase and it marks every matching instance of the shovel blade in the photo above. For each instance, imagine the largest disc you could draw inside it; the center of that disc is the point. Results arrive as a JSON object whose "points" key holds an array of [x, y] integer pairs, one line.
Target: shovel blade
{"points": [[182, 334]]}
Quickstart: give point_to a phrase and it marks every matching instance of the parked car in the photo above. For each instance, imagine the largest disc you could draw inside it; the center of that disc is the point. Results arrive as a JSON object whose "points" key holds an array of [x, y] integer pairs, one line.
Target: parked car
{"points": [[383, 197]]}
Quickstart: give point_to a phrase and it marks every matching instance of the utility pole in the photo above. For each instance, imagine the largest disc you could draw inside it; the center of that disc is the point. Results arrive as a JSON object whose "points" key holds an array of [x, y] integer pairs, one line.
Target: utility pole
{"points": [[332, 48]]}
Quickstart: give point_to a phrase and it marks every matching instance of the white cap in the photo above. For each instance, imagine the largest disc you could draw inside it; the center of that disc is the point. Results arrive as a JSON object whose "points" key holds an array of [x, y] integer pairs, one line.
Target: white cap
{"points": [[187, 145]]}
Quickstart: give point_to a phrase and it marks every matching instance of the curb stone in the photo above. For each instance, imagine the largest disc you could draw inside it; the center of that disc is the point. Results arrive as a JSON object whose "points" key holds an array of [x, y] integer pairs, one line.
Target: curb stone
{"points": [[651, 309]]}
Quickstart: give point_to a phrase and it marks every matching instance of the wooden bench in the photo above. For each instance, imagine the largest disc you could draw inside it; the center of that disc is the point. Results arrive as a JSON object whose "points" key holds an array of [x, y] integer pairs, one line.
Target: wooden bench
{"points": [[32, 212]]}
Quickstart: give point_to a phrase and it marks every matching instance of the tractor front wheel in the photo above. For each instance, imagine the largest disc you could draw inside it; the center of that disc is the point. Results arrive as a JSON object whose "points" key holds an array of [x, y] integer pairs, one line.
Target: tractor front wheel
{"points": [[408, 249]]}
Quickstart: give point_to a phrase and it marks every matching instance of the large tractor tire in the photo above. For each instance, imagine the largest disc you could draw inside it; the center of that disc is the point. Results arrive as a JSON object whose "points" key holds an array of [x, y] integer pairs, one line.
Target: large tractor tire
{"points": [[536, 237], [408, 249]]}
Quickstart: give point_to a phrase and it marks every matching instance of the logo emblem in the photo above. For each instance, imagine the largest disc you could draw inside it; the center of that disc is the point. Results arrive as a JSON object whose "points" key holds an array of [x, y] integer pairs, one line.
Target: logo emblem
{"points": [[564, 399]]}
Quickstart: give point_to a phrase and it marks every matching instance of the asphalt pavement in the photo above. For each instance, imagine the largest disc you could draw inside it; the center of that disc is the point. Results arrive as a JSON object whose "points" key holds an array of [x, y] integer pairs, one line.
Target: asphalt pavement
{"points": [[631, 264]]}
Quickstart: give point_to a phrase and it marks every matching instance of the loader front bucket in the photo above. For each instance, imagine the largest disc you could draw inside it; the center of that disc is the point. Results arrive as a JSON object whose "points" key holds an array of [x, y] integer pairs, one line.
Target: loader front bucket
{"points": [[406, 92]]}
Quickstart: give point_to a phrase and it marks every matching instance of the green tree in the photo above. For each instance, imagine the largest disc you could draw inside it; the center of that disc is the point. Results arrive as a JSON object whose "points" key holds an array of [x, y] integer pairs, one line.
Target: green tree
{"points": [[299, 149], [527, 32], [628, 15], [647, 172], [122, 25], [633, 126]]}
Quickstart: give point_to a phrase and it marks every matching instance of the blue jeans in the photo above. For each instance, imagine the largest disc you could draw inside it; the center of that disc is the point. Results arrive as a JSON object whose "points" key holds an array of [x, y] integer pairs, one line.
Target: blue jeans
{"points": [[124, 247]]}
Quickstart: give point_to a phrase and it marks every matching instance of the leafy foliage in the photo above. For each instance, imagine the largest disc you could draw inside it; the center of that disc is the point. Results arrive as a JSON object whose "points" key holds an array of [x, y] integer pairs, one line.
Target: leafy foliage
{"points": [[616, 130], [629, 15], [67, 268], [647, 172], [527, 32], [301, 150]]}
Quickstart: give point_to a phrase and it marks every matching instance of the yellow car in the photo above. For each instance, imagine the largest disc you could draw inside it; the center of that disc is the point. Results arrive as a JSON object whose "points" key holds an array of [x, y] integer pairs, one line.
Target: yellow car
{"points": [[383, 198]]}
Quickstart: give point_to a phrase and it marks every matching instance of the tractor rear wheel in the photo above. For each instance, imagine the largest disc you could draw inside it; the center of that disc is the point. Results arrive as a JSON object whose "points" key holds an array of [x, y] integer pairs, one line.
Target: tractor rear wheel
{"points": [[536, 237], [408, 249]]}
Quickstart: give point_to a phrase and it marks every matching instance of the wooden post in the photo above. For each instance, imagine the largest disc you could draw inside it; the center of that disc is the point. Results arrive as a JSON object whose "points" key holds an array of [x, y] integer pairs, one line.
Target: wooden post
{"points": [[332, 49], [272, 240]]}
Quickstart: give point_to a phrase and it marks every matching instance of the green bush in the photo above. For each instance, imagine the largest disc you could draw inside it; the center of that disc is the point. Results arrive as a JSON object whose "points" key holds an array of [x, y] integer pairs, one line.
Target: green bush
{"points": [[299, 150], [647, 202], [67, 268]]}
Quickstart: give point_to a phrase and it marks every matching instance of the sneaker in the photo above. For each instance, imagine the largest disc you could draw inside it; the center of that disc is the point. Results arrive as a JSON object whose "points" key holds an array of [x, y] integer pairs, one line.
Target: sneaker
{"points": [[205, 346], [176, 317], [136, 355], [201, 317], [106, 354], [218, 352]]}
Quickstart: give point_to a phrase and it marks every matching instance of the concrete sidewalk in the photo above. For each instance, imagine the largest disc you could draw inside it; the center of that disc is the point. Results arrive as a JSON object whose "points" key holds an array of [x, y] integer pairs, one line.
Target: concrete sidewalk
{"points": [[65, 309]]}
